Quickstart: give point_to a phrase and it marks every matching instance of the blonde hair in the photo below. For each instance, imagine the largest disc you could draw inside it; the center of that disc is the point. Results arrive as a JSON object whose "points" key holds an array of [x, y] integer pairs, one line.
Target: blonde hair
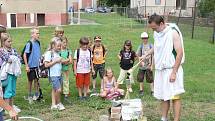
{"points": [[108, 69], [33, 29], [58, 30], [53, 42], [4, 37]]}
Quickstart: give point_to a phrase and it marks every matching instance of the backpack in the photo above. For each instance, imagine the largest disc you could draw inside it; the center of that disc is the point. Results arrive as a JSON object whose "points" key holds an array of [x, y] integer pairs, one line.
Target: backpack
{"points": [[78, 53], [103, 49], [27, 54], [141, 48], [44, 71]]}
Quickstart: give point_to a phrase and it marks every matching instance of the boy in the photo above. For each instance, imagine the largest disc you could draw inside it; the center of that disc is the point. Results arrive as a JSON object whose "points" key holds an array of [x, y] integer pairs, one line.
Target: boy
{"points": [[31, 56], [82, 67], [99, 52], [146, 66]]}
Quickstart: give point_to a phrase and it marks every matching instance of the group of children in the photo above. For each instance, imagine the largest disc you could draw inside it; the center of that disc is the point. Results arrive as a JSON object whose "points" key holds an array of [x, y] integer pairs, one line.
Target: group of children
{"points": [[87, 61]]}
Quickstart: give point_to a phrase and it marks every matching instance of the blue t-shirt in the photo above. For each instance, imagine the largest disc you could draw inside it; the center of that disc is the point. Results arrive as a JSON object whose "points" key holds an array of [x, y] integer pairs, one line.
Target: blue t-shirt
{"points": [[33, 60]]}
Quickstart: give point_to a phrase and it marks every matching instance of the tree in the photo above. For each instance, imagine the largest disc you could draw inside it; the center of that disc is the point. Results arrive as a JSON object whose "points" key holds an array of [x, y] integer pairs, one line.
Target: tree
{"points": [[111, 3], [208, 6]]}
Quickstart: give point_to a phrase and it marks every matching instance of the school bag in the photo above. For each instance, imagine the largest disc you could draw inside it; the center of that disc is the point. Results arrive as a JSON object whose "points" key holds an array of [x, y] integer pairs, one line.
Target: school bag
{"points": [[27, 54], [43, 71]]}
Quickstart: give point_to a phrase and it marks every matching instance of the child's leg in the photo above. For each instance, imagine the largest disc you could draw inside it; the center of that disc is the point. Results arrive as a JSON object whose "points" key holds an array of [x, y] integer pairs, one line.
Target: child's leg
{"points": [[66, 83], [149, 78], [53, 97], [30, 88], [86, 83], [165, 108], [103, 94], [36, 87], [95, 75], [121, 77], [101, 74], [80, 83], [177, 109], [57, 95]]}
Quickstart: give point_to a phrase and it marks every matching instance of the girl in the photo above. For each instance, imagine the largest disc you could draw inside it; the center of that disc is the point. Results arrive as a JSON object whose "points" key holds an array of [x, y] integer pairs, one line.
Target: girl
{"points": [[66, 55], [127, 57], [10, 69], [110, 84], [53, 62]]}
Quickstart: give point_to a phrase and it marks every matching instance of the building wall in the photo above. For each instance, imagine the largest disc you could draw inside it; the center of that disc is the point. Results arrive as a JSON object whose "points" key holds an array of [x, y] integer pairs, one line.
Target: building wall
{"points": [[3, 19], [151, 7], [33, 6]]}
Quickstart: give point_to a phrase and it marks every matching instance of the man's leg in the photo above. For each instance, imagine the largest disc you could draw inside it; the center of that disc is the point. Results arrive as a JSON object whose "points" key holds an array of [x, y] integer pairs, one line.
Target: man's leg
{"points": [[165, 108], [177, 109]]}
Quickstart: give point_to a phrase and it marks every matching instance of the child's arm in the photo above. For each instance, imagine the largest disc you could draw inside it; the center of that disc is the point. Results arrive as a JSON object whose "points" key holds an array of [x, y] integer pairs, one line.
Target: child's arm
{"points": [[92, 68], [104, 84], [7, 107], [119, 56], [49, 62], [75, 66]]}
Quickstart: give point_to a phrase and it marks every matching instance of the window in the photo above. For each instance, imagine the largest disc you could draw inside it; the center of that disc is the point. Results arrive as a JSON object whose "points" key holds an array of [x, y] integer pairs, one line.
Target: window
{"points": [[157, 2], [181, 4]]}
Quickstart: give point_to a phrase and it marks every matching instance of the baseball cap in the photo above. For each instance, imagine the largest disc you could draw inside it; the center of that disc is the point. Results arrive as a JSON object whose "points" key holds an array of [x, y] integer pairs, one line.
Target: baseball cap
{"points": [[144, 35]]}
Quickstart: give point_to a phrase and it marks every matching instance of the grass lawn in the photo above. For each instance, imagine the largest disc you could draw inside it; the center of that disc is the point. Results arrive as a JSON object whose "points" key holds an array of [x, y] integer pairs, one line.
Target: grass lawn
{"points": [[198, 101]]}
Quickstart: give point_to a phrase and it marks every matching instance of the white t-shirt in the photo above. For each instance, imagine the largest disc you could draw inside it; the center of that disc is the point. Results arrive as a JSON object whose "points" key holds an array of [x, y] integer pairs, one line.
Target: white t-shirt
{"points": [[83, 64], [54, 70]]}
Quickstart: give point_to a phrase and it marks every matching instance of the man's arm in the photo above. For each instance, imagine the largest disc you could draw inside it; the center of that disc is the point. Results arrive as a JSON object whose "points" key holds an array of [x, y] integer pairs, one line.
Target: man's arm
{"points": [[179, 50]]}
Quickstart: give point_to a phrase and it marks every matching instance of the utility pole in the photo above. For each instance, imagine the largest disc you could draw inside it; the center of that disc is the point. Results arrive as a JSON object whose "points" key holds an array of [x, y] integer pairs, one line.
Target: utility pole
{"points": [[194, 17]]}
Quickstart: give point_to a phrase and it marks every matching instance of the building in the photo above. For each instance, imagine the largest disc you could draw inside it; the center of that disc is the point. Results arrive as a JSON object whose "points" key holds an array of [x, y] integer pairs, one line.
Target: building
{"points": [[19, 13], [164, 6]]}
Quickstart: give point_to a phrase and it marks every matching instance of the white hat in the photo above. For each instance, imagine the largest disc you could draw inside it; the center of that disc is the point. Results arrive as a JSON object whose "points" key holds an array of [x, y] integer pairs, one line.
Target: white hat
{"points": [[144, 35]]}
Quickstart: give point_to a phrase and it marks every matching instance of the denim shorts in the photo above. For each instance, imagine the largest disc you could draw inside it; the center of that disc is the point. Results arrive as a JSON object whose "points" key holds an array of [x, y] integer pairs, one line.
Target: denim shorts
{"points": [[56, 81]]}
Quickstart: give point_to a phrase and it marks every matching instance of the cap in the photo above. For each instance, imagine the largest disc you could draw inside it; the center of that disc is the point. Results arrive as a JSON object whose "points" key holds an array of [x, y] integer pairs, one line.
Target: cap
{"points": [[144, 35], [97, 38], [128, 42]]}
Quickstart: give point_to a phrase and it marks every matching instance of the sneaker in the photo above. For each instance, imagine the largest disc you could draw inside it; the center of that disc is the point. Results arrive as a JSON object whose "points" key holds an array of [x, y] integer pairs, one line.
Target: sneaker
{"points": [[35, 98], [60, 107], [16, 109], [85, 97], [94, 94], [54, 107], [130, 90], [141, 93], [30, 100]]}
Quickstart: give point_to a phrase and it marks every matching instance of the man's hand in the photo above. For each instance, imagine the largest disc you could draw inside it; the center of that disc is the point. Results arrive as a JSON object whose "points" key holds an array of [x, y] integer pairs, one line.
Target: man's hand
{"points": [[172, 77], [13, 114]]}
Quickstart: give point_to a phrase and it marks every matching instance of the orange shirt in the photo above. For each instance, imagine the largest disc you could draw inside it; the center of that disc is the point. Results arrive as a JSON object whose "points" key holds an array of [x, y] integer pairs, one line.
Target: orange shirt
{"points": [[98, 57]]}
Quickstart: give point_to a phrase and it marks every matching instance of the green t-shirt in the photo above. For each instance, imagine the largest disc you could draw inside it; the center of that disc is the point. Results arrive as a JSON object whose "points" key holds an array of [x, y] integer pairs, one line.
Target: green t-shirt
{"points": [[65, 55]]}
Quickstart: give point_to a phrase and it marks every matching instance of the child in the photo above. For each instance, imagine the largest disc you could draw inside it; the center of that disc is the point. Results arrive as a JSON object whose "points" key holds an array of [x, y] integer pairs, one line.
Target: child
{"points": [[99, 52], [66, 55], [59, 32], [110, 84], [127, 57], [146, 65], [31, 57], [53, 62], [10, 69], [82, 67]]}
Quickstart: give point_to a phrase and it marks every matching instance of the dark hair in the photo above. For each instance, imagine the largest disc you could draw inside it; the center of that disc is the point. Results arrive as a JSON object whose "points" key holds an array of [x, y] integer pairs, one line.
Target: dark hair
{"points": [[97, 37], [127, 42], [84, 41], [156, 18]]}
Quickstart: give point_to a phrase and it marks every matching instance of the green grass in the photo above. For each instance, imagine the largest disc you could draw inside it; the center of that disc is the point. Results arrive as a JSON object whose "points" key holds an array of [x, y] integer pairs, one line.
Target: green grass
{"points": [[199, 69]]}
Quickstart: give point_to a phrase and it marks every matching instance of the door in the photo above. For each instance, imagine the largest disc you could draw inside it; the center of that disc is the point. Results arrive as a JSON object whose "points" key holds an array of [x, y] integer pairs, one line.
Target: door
{"points": [[13, 20], [41, 19]]}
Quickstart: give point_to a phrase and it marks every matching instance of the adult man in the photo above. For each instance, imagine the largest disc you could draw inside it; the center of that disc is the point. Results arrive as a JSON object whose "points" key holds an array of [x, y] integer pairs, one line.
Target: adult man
{"points": [[168, 60], [31, 58]]}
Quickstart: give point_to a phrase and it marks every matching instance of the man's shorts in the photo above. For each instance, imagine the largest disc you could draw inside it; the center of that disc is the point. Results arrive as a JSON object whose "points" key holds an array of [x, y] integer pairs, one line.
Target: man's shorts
{"points": [[56, 82], [142, 73], [99, 68], [33, 74]]}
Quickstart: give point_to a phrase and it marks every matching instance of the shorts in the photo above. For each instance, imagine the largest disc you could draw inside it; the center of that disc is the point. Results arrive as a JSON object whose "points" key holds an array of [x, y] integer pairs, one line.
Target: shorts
{"points": [[145, 73], [33, 74], [56, 82], [9, 86], [99, 68], [82, 80]]}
